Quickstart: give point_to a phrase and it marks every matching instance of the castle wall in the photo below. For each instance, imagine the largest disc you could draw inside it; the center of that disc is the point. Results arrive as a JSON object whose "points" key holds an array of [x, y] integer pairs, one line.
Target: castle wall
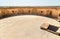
{"points": [[51, 12]]}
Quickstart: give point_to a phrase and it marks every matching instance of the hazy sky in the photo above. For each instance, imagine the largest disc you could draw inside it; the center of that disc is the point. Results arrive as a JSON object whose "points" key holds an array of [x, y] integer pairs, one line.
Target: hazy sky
{"points": [[29, 2]]}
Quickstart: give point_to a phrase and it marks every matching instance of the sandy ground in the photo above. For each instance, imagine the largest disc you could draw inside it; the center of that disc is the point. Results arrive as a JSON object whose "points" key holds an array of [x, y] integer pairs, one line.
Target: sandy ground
{"points": [[26, 27]]}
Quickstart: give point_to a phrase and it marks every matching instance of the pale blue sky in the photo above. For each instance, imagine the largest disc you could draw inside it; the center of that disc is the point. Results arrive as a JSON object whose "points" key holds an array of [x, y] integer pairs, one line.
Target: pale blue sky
{"points": [[29, 2]]}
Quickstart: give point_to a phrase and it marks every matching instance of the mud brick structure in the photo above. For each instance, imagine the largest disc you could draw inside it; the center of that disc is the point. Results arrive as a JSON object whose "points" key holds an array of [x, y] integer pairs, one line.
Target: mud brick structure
{"points": [[48, 11]]}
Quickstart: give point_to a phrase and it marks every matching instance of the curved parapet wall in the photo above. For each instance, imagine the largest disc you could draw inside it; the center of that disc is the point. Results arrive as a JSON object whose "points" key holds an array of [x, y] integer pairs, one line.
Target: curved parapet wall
{"points": [[53, 12]]}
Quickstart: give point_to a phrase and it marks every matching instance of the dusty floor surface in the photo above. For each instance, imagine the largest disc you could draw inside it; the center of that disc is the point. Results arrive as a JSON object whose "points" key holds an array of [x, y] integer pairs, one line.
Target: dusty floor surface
{"points": [[26, 27]]}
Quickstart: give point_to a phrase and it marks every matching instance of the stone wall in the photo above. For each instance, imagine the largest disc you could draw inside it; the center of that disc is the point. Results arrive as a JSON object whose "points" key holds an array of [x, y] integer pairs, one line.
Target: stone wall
{"points": [[44, 11]]}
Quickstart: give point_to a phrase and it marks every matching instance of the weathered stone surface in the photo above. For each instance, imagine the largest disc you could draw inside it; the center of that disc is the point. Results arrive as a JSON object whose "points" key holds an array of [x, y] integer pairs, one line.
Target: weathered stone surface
{"points": [[53, 12], [26, 27]]}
